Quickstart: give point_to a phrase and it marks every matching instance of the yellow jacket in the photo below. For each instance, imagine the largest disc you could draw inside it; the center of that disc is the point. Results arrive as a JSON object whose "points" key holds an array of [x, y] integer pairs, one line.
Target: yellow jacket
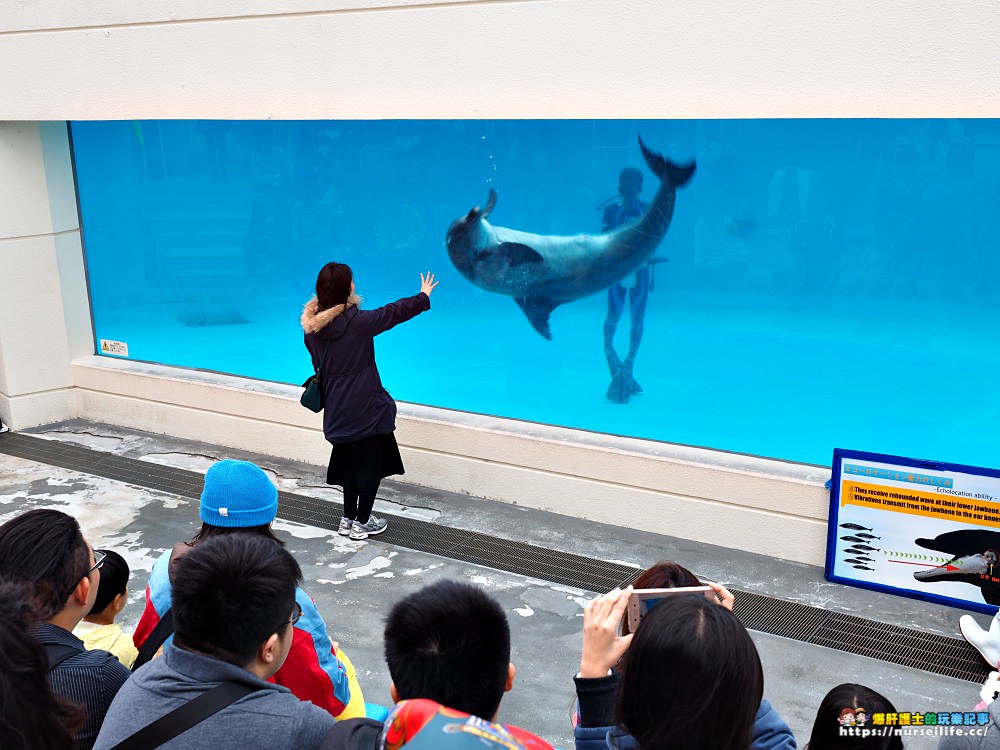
{"points": [[107, 638]]}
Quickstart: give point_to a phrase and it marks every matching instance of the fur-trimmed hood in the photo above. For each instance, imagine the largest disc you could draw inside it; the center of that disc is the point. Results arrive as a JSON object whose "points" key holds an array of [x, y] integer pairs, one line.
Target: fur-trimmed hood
{"points": [[313, 320]]}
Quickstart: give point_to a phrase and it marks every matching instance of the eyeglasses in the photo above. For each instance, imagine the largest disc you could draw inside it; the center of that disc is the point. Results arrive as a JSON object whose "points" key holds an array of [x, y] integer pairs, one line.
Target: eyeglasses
{"points": [[296, 616], [98, 562]]}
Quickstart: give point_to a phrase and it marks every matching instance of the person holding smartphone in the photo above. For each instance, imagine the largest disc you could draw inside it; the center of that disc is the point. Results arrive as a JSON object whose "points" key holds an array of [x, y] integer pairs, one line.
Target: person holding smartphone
{"points": [[607, 656]]}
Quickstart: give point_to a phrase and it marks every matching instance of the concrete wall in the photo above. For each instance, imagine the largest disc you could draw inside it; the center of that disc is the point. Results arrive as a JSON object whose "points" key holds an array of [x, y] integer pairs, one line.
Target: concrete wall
{"points": [[358, 59], [105, 59], [44, 306]]}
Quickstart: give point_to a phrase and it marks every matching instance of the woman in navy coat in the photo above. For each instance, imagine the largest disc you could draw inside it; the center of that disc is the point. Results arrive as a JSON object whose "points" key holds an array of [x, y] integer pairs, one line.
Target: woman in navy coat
{"points": [[359, 416]]}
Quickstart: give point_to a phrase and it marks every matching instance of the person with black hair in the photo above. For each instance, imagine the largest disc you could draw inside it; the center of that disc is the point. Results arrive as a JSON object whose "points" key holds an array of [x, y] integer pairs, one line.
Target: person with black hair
{"points": [[449, 643], [359, 415], [770, 732], [690, 677], [851, 699], [234, 614], [31, 716], [46, 550], [625, 211], [98, 629], [239, 498]]}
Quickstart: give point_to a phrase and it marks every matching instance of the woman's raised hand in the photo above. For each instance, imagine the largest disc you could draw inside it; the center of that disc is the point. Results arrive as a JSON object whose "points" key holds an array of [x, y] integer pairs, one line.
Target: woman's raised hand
{"points": [[722, 595], [427, 283], [602, 646]]}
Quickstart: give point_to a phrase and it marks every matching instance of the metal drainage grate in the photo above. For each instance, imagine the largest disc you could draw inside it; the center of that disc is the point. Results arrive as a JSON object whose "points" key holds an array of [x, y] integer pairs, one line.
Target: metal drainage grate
{"points": [[951, 657]]}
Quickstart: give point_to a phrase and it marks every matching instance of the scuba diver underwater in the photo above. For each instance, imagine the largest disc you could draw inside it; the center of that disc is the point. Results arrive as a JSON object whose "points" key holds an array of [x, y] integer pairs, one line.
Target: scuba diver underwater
{"points": [[622, 211]]}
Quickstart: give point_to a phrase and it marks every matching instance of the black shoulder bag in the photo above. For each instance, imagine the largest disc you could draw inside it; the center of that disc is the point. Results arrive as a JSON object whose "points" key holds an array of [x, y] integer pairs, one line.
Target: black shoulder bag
{"points": [[313, 398], [183, 718]]}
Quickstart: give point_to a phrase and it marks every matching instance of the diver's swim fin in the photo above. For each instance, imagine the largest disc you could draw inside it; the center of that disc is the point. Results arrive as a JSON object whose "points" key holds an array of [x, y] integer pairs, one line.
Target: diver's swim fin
{"points": [[620, 390]]}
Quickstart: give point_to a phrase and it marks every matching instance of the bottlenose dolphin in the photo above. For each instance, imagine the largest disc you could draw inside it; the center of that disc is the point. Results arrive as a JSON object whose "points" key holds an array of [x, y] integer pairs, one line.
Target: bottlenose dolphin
{"points": [[542, 272]]}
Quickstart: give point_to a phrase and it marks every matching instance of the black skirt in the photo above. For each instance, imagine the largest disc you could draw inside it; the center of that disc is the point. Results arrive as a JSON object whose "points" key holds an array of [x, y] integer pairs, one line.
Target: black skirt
{"points": [[364, 463]]}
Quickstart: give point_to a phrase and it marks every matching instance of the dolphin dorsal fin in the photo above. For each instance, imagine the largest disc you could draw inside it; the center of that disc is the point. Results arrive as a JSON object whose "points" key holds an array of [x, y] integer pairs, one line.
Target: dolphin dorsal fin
{"points": [[538, 310]]}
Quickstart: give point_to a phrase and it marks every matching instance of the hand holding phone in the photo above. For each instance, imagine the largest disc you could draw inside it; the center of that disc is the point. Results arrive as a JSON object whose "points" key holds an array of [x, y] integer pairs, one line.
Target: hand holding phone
{"points": [[642, 600], [602, 644], [722, 595]]}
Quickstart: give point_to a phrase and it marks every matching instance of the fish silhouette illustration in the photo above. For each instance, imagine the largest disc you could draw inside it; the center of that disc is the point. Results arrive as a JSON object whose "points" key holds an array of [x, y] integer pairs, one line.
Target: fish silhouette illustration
{"points": [[869, 536], [863, 567], [855, 526], [853, 539]]}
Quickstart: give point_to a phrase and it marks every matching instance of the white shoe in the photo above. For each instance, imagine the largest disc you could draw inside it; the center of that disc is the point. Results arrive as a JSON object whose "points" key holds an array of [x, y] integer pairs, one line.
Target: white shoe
{"points": [[986, 642], [345, 526], [374, 526]]}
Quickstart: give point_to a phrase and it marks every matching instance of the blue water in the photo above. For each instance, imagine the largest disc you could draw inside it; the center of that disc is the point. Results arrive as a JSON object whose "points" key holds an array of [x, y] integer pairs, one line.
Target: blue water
{"points": [[831, 283]]}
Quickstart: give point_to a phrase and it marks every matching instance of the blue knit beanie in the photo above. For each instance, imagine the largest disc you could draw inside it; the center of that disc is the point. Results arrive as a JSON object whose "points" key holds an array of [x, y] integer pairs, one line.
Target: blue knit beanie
{"points": [[237, 495]]}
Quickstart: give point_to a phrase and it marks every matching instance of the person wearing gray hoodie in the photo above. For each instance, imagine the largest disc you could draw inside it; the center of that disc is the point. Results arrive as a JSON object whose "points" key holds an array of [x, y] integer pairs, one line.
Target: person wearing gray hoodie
{"points": [[234, 611]]}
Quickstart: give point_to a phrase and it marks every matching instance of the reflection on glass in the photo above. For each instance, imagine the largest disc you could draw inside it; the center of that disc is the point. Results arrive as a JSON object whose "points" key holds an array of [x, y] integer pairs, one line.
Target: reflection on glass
{"points": [[821, 284]]}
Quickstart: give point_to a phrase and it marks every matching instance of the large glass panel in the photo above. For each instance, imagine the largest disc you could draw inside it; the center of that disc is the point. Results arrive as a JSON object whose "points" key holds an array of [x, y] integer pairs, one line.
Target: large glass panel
{"points": [[822, 283]]}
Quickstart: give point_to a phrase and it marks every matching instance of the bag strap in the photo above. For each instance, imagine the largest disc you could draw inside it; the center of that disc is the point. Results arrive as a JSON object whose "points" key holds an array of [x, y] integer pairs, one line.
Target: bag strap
{"points": [[57, 653], [163, 630], [319, 370], [183, 718]]}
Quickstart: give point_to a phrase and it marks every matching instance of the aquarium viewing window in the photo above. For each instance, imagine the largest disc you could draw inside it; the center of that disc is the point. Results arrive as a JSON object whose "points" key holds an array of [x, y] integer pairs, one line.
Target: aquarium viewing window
{"points": [[811, 283]]}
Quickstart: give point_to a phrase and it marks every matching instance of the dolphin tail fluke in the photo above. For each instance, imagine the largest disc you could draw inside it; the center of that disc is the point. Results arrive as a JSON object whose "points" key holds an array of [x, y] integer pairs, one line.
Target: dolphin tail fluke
{"points": [[538, 310], [679, 175], [665, 169]]}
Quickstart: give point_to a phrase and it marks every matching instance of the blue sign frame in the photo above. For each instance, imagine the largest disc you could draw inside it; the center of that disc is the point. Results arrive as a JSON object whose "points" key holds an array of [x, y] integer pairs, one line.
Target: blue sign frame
{"points": [[928, 476]]}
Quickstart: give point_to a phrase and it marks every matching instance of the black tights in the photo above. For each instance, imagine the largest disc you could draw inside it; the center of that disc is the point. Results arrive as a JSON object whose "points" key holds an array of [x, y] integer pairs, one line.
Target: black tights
{"points": [[358, 503]]}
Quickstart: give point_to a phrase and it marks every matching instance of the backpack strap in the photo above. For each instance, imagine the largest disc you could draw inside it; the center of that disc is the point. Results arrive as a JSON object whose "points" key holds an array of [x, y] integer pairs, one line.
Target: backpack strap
{"points": [[57, 653], [183, 718], [163, 630]]}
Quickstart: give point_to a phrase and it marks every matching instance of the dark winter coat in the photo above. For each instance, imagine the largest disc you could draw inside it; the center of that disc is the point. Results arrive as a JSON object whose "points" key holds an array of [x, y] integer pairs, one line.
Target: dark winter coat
{"points": [[357, 406]]}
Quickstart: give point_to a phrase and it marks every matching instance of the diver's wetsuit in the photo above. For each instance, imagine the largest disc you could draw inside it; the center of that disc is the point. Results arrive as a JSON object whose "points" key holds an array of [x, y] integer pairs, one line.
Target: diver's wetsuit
{"points": [[623, 385]]}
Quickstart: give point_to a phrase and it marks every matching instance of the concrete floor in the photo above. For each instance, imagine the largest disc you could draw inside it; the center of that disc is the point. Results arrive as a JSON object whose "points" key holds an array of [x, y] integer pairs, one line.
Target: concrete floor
{"points": [[354, 583]]}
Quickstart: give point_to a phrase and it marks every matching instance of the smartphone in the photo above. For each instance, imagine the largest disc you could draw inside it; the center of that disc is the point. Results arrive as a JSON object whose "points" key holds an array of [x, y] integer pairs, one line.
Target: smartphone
{"points": [[643, 600]]}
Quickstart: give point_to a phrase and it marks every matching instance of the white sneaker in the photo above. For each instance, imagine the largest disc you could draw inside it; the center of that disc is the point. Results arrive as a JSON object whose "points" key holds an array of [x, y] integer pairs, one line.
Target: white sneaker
{"points": [[3, 427], [986, 642], [345, 526], [365, 530]]}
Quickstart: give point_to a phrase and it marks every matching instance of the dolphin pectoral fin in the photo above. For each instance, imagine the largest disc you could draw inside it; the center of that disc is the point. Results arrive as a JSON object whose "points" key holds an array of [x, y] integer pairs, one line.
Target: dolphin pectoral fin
{"points": [[517, 253], [538, 310]]}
